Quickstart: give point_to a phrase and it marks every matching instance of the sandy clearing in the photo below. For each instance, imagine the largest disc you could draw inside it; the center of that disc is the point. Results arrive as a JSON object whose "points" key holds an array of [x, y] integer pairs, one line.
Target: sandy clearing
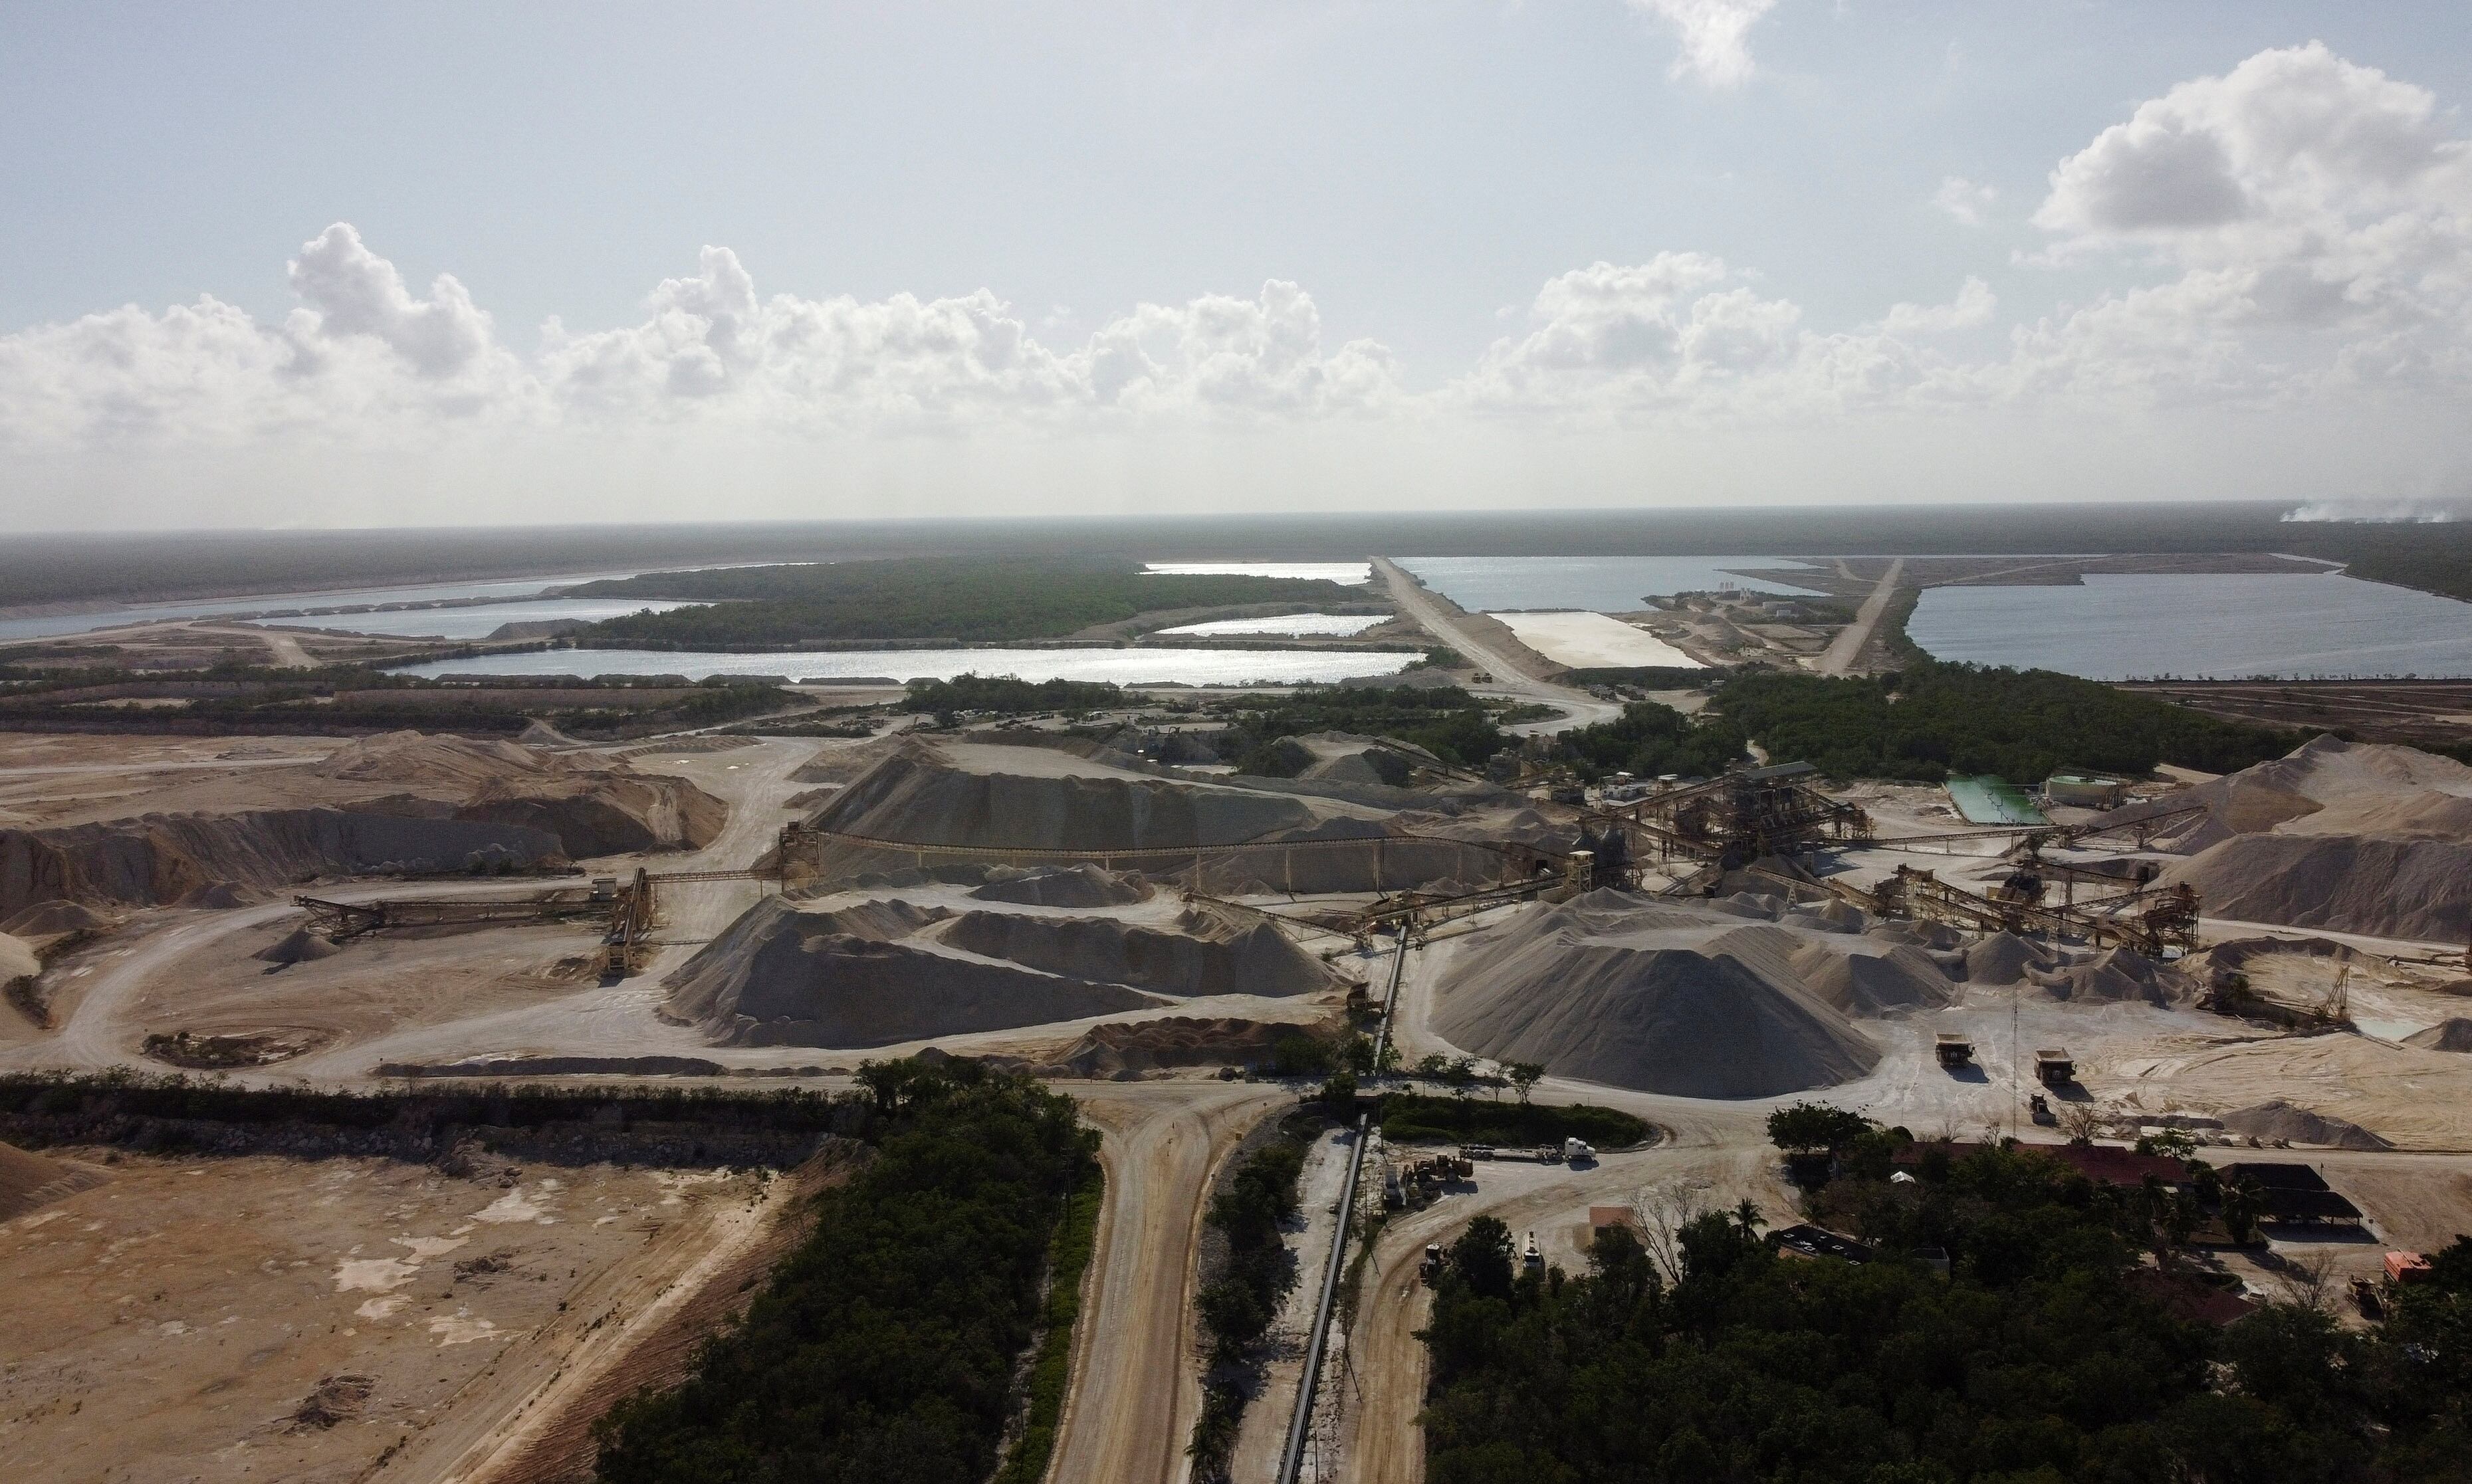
{"points": [[168, 1324], [1586, 641], [572, 1368]]}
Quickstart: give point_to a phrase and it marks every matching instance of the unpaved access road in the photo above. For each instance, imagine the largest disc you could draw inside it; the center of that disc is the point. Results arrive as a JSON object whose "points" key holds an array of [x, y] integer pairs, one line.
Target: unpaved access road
{"points": [[1510, 679], [1136, 1382], [1847, 647]]}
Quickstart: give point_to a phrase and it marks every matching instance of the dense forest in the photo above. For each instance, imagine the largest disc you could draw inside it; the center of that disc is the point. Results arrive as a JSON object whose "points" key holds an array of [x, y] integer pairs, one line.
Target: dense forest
{"points": [[1444, 721], [1411, 1116], [1649, 741], [344, 699], [1933, 720], [883, 1349], [2048, 1354], [1007, 696], [965, 599]]}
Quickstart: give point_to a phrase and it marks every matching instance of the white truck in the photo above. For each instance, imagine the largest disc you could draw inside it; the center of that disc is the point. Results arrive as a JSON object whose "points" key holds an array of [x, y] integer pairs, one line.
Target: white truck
{"points": [[1576, 1151]]}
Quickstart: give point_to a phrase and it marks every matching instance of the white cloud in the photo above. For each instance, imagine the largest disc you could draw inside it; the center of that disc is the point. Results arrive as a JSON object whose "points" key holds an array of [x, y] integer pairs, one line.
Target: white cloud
{"points": [[353, 292], [1684, 333], [1965, 202], [2319, 214], [1715, 37], [362, 357]]}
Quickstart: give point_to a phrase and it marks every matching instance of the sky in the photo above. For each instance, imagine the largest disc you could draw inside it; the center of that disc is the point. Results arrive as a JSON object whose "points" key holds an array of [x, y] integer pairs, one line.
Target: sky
{"points": [[454, 264]]}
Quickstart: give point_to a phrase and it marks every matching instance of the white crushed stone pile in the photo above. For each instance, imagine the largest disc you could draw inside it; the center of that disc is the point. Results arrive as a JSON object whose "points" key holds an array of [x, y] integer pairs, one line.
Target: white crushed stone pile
{"points": [[2115, 976], [855, 978], [2005, 958], [1068, 886], [1207, 953], [1875, 982], [1610, 989]]}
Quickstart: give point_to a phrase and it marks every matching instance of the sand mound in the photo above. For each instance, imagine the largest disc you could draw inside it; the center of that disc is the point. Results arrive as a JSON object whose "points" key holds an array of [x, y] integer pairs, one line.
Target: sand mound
{"points": [[219, 895], [846, 761], [2402, 888], [2115, 976], [416, 758], [18, 959], [1133, 1046], [298, 946], [1583, 990], [1210, 953], [2279, 1119], [1874, 983], [2005, 958], [28, 1181], [855, 978], [1076, 885], [2448, 1035], [48, 919], [2356, 837]]}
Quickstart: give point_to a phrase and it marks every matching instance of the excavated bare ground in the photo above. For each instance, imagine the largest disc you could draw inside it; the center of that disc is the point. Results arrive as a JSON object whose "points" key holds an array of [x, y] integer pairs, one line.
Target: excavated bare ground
{"points": [[265, 1317], [2353, 837], [400, 802], [359, 989], [31, 1181]]}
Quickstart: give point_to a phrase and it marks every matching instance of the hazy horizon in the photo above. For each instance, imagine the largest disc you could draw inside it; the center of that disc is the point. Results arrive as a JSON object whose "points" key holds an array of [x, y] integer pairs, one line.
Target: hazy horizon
{"points": [[466, 267]]}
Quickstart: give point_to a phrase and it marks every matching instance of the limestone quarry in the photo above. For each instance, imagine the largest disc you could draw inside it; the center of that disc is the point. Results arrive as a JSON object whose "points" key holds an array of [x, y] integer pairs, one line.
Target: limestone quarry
{"points": [[1155, 939]]}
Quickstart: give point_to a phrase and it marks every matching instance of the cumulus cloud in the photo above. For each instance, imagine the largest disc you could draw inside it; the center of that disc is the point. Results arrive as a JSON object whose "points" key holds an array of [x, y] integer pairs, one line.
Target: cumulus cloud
{"points": [[1964, 202], [2298, 192], [1686, 332], [2318, 215], [350, 290], [1715, 37], [362, 356]]}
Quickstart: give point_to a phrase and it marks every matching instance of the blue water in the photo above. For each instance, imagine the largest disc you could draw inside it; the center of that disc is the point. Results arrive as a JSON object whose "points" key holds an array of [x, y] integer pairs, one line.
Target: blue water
{"points": [[1606, 584], [1124, 666], [2202, 627]]}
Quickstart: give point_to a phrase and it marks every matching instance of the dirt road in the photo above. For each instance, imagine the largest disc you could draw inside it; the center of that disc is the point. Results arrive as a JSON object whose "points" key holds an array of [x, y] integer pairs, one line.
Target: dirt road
{"points": [[1847, 647], [1579, 708], [1136, 1384]]}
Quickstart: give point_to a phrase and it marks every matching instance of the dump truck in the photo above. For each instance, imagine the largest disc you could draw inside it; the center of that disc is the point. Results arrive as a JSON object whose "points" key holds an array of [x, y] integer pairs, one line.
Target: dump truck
{"points": [[1953, 1051], [2055, 1067]]}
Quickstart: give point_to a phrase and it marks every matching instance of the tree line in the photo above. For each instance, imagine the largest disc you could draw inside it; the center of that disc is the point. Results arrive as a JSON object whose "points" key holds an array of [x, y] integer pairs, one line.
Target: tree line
{"points": [[965, 599], [1693, 1350], [884, 1347]]}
